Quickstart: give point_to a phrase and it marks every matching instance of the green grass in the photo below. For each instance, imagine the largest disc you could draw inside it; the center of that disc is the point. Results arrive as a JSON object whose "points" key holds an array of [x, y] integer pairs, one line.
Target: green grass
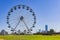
{"points": [[30, 37]]}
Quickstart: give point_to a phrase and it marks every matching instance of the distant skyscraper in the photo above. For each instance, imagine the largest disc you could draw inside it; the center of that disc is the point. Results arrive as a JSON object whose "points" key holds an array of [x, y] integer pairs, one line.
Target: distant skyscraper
{"points": [[46, 28]]}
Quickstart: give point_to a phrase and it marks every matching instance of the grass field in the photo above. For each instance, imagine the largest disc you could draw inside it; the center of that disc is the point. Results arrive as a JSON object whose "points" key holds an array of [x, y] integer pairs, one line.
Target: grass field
{"points": [[30, 37]]}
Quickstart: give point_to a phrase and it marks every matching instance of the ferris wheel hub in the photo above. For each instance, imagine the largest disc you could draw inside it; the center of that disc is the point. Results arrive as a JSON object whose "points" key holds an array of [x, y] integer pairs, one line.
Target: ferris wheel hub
{"points": [[21, 18]]}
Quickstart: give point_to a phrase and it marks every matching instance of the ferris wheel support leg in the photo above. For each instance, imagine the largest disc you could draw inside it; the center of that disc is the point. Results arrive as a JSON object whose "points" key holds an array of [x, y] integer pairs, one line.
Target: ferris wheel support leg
{"points": [[29, 32]]}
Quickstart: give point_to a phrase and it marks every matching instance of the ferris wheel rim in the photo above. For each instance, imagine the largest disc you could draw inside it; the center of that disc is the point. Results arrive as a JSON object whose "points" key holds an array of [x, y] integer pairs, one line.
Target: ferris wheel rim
{"points": [[23, 6]]}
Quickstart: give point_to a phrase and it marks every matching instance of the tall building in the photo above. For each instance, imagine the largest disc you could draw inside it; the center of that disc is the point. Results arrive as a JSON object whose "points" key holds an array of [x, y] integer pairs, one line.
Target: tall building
{"points": [[46, 28]]}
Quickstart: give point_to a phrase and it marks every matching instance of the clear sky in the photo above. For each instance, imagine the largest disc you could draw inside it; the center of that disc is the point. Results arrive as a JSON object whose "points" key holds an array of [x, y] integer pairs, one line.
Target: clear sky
{"points": [[47, 12]]}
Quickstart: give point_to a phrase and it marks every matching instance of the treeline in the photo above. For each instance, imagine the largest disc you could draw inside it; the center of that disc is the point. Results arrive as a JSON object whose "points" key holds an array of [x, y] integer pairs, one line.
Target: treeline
{"points": [[50, 32]]}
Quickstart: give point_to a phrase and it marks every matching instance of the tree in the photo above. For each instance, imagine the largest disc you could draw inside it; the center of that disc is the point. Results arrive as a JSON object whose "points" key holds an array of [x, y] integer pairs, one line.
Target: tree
{"points": [[3, 32], [51, 30]]}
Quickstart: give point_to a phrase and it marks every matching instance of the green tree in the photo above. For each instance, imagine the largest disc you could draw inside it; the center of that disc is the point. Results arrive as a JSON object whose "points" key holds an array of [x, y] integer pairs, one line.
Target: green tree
{"points": [[51, 30]]}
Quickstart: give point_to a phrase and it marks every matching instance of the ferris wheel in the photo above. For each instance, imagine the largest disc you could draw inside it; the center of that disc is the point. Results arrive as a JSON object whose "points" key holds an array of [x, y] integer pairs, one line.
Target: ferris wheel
{"points": [[21, 17]]}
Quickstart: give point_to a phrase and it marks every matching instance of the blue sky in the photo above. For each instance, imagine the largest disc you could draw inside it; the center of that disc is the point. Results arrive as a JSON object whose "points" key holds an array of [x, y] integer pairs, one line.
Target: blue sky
{"points": [[47, 12]]}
